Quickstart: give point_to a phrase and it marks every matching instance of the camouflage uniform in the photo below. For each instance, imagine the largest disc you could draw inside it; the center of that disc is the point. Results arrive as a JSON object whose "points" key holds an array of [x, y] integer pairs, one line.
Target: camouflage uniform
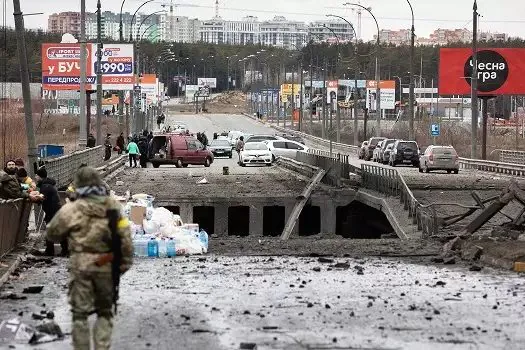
{"points": [[85, 224]]}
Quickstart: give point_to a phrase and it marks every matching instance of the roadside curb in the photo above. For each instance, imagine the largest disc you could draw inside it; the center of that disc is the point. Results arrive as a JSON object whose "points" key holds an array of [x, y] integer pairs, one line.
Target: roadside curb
{"points": [[16, 257]]}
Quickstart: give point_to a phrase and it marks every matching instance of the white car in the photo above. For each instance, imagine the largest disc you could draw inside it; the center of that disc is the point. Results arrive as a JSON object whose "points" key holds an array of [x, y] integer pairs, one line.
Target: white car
{"points": [[285, 148], [256, 153]]}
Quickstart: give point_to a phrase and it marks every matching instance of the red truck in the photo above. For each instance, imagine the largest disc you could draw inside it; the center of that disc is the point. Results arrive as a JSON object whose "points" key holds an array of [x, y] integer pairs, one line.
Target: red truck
{"points": [[177, 149]]}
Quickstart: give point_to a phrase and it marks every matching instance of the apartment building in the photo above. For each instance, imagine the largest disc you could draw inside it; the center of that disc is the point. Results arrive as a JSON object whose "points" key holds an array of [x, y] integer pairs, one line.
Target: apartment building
{"points": [[219, 31], [330, 31], [64, 22], [283, 33]]}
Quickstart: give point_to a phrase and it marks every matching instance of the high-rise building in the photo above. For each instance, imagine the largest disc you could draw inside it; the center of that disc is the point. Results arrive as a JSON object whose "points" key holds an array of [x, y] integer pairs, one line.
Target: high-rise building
{"points": [[283, 33], [64, 22], [330, 31], [219, 31], [184, 29]]}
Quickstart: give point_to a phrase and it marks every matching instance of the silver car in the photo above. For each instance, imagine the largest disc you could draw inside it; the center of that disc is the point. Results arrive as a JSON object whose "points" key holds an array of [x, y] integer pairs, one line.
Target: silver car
{"points": [[385, 157], [439, 158], [377, 152]]}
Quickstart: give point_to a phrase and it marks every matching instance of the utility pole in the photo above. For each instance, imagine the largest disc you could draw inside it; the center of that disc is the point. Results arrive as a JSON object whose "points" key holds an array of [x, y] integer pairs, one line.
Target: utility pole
{"points": [[32, 152], [293, 98], [474, 83], [121, 93], [301, 89], [82, 140], [325, 97], [356, 121], [99, 74], [312, 90], [411, 132], [484, 115]]}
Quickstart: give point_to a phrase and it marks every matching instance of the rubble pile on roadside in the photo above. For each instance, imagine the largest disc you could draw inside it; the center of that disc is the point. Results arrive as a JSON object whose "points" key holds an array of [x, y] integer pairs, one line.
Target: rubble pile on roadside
{"points": [[158, 233]]}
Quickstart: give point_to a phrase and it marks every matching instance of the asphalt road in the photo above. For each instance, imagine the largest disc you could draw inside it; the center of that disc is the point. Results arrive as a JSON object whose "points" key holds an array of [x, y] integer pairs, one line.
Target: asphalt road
{"points": [[293, 303]]}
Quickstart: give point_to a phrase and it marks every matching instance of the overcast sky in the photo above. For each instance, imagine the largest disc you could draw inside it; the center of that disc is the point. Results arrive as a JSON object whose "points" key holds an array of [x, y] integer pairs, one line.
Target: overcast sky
{"points": [[498, 16]]}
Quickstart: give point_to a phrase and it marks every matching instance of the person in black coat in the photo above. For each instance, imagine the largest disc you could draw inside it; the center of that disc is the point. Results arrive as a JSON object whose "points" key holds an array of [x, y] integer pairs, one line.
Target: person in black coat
{"points": [[143, 149], [50, 205]]}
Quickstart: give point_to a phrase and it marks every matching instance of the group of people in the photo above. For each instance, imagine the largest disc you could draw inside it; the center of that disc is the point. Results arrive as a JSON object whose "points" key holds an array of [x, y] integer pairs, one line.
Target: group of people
{"points": [[201, 136], [15, 183]]}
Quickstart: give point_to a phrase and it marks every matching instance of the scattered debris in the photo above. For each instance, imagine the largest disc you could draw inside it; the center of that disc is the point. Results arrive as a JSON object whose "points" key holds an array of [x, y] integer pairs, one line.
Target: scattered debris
{"points": [[33, 290], [203, 181], [325, 260]]}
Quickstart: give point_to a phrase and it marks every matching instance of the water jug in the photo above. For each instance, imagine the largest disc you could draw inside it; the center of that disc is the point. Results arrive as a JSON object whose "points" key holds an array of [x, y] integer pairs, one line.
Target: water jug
{"points": [[163, 248], [153, 248], [171, 250], [203, 237]]}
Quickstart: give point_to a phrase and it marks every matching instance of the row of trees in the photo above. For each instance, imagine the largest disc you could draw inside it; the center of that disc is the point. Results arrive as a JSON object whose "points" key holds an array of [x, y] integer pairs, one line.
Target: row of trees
{"points": [[192, 60]]}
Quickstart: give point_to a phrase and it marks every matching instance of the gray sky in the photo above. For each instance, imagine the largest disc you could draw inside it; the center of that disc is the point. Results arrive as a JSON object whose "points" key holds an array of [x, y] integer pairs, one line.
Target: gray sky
{"points": [[498, 16]]}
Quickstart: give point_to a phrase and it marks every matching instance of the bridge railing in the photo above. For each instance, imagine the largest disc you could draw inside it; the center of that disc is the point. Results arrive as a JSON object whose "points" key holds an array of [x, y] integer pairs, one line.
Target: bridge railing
{"points": [[62, 169], [512, 157], [492, 166], [14, 220], [337, 165], [391, 183]]}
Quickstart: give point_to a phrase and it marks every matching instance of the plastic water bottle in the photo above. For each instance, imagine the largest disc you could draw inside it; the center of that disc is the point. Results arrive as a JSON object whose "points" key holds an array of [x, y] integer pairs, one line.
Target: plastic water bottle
{"points": [[153, 248], [163, 248], [171, 249], [203, 237]]}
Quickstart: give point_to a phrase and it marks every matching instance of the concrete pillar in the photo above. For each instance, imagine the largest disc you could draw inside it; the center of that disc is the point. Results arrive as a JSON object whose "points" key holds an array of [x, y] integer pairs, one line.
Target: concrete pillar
{"points": [[287, 213], [328, 217], [256, 220], [186, 212], [221, 219]]}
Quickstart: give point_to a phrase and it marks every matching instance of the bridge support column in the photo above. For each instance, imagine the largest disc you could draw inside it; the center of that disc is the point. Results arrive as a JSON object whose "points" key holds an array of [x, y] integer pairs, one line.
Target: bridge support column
{"points": [[186, 212], [328, 218], [256, 220], [221, 220]]}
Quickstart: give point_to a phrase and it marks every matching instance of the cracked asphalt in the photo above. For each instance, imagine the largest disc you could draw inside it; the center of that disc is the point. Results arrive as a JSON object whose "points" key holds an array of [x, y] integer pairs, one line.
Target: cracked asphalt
{"points": [[286, 302]]}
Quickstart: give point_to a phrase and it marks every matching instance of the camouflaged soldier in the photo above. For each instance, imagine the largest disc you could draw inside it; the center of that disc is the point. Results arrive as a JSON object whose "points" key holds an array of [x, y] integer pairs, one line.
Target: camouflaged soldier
{"points": [[86, 224]]}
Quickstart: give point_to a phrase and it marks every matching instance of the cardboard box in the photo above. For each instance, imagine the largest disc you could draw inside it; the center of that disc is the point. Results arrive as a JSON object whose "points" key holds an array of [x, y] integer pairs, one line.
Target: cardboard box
{"points": [[137, 214], [519, 266]]}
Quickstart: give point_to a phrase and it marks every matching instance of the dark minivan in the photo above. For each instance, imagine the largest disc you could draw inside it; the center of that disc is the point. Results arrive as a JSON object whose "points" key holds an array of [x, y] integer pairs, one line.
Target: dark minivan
{"points": [[180, 150], [404, 152]]}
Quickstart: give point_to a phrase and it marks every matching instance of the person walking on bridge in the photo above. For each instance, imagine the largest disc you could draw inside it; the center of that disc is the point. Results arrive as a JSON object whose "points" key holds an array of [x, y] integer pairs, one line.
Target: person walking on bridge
{"points": [[101, 251], [239, 146], [133, 152]]}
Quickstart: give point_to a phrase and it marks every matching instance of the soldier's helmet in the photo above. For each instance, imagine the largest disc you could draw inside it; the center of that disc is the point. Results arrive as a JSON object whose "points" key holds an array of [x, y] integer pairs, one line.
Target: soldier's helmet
{"points": [[86, 177]]}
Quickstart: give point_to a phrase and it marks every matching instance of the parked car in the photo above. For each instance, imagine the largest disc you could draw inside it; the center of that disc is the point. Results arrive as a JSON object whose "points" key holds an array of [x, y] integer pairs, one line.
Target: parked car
{"points": [[439, 158], [261, 138], [377, 150], [404, 152], [179, 150], [372, 144], [285, 148], [256, 153], [385, 157], [362, 150], [221, 148], [384, 144], [233, 136], [293, 138]]}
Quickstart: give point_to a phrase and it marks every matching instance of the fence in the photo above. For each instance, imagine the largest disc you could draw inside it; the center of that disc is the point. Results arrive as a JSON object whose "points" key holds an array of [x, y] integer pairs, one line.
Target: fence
{"points": [[493, 167], [337, 166], [62, 169], [14, 220], [513, 157]]}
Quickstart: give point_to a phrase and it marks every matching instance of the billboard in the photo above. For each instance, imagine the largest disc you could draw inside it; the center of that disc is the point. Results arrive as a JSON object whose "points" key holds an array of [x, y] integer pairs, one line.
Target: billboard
{"points": [[388, 94], [148, 84], [210, 82], [331, 91], [500, 71], [191, 90], [117, 66], [61, 67]]}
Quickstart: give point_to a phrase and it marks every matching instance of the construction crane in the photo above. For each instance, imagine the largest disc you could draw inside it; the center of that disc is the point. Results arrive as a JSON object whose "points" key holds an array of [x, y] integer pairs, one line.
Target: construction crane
{"points": [[359, 13], [171, 5]]}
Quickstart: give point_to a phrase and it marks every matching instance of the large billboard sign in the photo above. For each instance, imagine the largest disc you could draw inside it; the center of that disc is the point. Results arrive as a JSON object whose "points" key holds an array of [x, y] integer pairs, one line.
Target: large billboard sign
{"points": [[61, 66], [500, 71], [117, 66]]}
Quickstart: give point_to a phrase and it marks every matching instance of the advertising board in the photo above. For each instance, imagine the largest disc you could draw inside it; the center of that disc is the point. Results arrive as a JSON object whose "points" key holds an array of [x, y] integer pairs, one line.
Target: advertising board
{"points": [[500, 71], [61, 67], [388, 94], [210, 82], [331, 91], [117, 66]]}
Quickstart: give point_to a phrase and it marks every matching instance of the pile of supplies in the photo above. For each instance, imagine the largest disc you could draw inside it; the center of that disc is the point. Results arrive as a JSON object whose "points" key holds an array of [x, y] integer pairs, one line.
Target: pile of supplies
{"points": [[158, 233]]}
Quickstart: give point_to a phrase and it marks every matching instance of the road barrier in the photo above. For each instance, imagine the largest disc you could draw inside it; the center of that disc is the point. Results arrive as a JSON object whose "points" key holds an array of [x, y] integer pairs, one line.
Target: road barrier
{"points": [[492, 166], [512, 157], [14, 220]]}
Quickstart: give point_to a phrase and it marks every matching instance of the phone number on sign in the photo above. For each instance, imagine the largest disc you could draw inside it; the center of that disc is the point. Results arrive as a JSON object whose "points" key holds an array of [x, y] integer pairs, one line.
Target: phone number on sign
{"points": [[117, 80]]}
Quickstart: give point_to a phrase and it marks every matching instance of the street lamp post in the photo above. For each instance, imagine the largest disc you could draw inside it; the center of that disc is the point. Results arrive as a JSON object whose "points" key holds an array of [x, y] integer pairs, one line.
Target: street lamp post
{"points": [[121, 93], [411, 86], [378, 75]]}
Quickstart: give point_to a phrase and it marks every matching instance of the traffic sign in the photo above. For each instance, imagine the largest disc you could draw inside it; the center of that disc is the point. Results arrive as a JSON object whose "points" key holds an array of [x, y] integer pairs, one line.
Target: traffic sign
{"points": [[435, 130]]}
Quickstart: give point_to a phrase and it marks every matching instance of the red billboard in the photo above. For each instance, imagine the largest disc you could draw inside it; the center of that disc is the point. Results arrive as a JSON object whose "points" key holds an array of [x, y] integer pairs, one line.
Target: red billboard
{"points": [[500, 71], [61, 67]]}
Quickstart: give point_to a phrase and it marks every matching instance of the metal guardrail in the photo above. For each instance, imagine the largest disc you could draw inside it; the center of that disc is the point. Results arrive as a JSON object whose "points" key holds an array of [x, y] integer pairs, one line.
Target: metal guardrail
{"points": [[337, 166], [492, 166], [62, 169], [14, 220], [391, 183]]}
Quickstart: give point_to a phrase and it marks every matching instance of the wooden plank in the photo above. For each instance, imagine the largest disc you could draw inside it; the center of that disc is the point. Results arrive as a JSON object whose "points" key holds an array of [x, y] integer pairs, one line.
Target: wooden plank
{"points": [[305, 196]]}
